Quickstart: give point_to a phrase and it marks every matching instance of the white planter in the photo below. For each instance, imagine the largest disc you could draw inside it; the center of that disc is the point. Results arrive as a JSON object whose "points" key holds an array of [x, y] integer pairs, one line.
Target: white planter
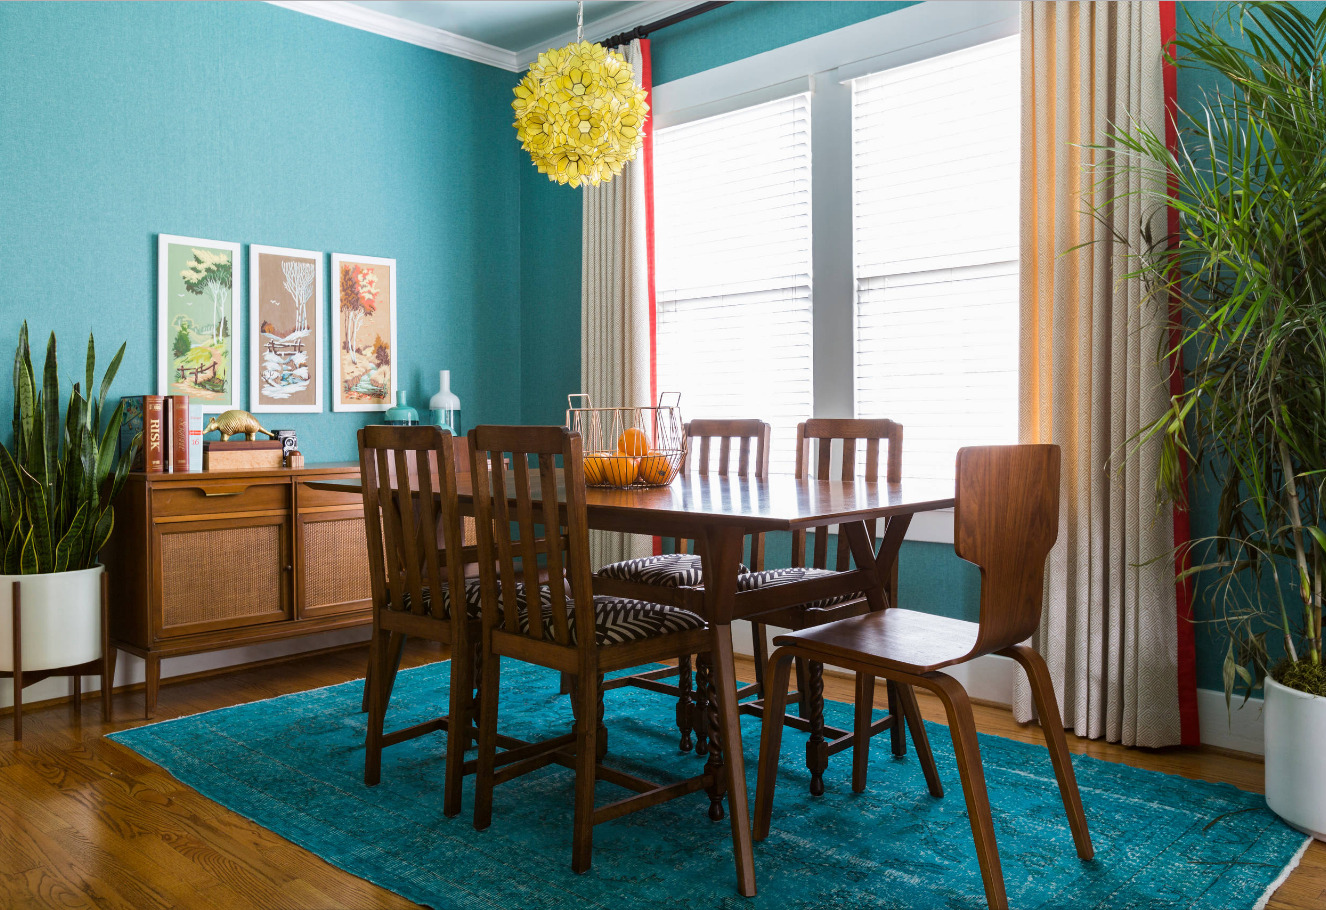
{"points": [[61, 616], [1295, 744]]}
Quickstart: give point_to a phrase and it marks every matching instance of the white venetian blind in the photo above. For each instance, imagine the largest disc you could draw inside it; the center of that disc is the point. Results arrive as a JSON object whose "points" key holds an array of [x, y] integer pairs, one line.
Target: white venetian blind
{"points": [[733, 281], [935, 237]]}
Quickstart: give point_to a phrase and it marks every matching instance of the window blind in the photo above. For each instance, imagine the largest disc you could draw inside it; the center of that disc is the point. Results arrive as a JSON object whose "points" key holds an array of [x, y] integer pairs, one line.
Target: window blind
{"points": [[733, 258], [935, 244]]}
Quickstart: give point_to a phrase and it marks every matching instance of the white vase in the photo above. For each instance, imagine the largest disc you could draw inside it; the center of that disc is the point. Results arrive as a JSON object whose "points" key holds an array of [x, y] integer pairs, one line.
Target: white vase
{"points": [[444, 407], [1295, 724], [61, 618]]}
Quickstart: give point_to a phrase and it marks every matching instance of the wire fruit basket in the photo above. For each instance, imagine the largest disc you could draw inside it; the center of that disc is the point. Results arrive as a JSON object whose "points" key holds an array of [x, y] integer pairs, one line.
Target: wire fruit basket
{"points": [[629, 447]]}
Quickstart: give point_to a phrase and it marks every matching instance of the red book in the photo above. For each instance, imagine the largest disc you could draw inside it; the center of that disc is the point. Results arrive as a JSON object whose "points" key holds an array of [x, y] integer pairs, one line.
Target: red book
{"points": [[145, 414], [179, 433]]}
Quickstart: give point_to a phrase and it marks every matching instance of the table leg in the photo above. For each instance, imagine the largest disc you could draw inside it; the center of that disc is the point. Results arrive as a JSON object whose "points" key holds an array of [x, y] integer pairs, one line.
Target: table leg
{"points": [[722, 555]]}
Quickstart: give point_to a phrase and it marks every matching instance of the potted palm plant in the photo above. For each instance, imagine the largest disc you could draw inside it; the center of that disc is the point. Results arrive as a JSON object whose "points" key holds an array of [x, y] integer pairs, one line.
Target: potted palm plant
{"points": [[56, 487], [1247, 277]]}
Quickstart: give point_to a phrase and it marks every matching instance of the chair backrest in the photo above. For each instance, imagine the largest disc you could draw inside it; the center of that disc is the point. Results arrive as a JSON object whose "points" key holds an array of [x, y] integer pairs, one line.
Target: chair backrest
{"points": [[403, 469], [704, 458], [1005, 521], [514, 506], [850, 433]]}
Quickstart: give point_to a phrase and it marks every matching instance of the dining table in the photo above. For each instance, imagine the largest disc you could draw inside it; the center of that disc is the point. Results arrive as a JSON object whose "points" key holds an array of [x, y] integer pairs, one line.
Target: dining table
{"points": [[717, 512]]}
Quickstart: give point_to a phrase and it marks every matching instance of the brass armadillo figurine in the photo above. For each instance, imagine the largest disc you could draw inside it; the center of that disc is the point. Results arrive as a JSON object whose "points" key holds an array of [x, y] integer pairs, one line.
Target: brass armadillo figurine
{"points": [[233, 422]]}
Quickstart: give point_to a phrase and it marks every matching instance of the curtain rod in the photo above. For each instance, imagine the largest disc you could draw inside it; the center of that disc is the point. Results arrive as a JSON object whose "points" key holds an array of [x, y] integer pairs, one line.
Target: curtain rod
{"points": [[641, 31]]}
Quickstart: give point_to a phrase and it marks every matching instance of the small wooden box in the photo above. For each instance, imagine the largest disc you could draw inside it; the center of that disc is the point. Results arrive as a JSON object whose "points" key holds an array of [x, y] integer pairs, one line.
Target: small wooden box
{"points": [[243, 455]]}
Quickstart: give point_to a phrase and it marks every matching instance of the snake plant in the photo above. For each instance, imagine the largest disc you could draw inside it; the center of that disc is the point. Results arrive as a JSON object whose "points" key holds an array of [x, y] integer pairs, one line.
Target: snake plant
{"points": [[1247, 276], [60, 476]]}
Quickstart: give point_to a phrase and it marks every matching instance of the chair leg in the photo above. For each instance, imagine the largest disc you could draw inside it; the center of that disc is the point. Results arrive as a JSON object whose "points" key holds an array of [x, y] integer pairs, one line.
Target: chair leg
{"points": [[967, 751], [713, 765], [865, 705], [684, 700], [377, 652], [912, 712], [817, 750], [898, 733], [396, 645], [490, 679], [586, 759], [458, 729], [803, 702], [601, 729], [700, 713], [760, 647], [771, 740], [1047, 708]]}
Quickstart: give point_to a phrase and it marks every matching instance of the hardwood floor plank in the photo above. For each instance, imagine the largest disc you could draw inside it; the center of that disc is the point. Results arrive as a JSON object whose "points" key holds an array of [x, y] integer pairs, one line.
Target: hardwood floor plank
{"points": [[85, 822]]}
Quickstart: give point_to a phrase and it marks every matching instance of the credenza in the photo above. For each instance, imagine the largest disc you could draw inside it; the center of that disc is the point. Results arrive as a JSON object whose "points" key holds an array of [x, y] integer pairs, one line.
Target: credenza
{"points": [[205, 561]]}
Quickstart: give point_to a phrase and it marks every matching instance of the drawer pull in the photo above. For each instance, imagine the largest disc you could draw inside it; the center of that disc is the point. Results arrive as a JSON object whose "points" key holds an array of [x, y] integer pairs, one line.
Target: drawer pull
{"points": [[212, 494]]}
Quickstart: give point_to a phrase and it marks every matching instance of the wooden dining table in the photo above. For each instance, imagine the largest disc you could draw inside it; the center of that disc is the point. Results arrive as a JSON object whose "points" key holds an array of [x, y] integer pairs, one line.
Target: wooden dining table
{"points": [[718, 511]]}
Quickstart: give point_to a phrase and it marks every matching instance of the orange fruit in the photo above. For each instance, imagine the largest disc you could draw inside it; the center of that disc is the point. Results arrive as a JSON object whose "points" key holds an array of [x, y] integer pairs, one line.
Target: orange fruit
{"points": [[596, 466], [655, 469], [633, 442], [619, 470]]}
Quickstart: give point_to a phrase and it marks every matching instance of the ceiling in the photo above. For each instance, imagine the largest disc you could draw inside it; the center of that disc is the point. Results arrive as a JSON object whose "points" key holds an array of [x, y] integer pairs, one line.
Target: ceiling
{"points": [[512, 25]]}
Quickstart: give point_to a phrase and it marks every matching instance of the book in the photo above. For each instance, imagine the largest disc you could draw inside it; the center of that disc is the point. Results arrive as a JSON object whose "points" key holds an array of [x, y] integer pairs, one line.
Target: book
{"points": [[179, 433], [145, 414], [195, 439]]}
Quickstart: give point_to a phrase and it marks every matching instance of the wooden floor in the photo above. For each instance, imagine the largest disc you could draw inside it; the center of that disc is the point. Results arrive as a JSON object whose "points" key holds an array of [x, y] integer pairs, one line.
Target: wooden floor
{"points": [[87, 823]]}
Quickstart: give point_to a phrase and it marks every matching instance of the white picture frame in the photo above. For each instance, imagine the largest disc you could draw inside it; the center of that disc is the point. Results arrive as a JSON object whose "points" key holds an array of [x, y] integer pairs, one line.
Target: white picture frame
{"points": [[273, 375], [358, 375], [174, 304]]}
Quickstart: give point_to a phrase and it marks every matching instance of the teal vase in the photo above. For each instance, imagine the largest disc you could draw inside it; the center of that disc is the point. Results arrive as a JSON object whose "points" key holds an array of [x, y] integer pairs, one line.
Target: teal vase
{"points": [[402, 415]]}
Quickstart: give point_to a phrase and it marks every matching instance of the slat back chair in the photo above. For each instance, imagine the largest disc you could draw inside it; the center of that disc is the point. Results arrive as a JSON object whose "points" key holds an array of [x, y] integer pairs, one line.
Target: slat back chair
{"points": [[417, 567], [675, 576], [1005, 521], [875, 445], [562, 627]]}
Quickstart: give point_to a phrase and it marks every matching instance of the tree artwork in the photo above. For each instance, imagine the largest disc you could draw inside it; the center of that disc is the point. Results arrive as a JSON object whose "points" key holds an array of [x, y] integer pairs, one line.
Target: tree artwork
{"points": [[359, 300], [211, 273], [182, 344], [299, 282]]}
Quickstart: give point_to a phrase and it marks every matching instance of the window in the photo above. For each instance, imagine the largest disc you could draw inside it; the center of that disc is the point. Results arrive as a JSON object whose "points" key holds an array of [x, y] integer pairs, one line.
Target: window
{"points": [[935, 245], [733, 282]]}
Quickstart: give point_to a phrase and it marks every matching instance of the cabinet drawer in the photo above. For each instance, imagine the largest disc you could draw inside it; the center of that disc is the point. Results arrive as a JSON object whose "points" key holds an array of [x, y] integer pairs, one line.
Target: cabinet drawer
{"points": [[220, 496], [310, 498]]}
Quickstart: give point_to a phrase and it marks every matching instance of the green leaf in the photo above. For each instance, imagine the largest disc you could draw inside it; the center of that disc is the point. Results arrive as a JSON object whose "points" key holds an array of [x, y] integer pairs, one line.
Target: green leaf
{"points": [[50, 393], [73, 541], [40, 524], [13, 552], [27, 560], [91, 364], [105, 525]]}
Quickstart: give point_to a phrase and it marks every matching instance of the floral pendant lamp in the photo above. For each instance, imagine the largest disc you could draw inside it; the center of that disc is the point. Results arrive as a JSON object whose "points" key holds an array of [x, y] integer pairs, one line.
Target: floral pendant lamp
{"points": [[579, 113]]}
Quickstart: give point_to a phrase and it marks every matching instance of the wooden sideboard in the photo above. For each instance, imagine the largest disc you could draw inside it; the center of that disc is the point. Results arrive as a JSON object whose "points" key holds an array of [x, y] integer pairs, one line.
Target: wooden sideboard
{"points": [[205, 561]]}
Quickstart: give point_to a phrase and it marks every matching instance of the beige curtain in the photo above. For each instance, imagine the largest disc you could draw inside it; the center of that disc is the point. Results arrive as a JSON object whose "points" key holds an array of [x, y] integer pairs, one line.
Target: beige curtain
{"points": [[1089, 372], [614, 308]]}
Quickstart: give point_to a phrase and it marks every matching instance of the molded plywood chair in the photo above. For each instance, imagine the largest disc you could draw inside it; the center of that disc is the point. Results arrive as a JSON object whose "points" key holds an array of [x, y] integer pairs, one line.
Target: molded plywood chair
{"points": [[877, 440], [1006, 521], [571, 630], [675, 577], [418, 566]]}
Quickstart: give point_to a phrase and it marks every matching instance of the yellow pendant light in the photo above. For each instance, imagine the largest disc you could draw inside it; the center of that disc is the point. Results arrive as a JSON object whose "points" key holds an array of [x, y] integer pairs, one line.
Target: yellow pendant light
{"points": [[579, 113]]}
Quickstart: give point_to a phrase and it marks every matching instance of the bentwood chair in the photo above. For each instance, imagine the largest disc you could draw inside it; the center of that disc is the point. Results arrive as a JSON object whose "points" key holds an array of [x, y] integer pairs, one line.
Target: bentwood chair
{"points": [[417, 565], [877, 440], [1006, 520], [574, 631], [675, 577]]}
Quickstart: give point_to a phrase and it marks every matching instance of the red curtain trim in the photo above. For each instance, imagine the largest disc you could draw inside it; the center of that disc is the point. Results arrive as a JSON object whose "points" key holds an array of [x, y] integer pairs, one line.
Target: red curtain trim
{"points": [[1187, 645]]}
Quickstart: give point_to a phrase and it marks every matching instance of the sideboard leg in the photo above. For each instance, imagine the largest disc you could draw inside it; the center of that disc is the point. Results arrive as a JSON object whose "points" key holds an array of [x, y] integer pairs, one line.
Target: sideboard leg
{"points": [[153, 682]]}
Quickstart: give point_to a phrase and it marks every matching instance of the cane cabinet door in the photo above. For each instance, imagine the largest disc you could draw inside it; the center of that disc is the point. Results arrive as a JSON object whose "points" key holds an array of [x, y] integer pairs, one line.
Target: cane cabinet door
{"points": [[331, 553]]}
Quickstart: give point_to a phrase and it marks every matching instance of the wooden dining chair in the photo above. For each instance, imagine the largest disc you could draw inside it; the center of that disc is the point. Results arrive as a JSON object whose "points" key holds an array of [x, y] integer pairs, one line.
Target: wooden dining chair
{"points": [[1005, 522], [878, 442], [675, 577], [417, 562], [573, 632]]}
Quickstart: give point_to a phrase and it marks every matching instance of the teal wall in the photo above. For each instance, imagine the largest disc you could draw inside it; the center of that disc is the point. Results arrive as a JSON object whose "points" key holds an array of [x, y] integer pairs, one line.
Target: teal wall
{"points": [[247, 122]]}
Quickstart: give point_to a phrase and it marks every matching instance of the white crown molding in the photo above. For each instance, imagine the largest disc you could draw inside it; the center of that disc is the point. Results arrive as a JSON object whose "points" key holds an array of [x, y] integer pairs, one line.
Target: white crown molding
{"points": [[629, 18], [411, 32]]}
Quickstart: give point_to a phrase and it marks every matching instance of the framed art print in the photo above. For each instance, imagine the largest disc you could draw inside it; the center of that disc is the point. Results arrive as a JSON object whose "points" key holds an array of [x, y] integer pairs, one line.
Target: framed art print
{"points": [[196, 350], [363, 330], [285, 330]]}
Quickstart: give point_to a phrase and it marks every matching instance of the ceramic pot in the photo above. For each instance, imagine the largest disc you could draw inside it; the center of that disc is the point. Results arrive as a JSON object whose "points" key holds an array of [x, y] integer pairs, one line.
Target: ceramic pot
{"points": [[1295, 725], [61, 617]]}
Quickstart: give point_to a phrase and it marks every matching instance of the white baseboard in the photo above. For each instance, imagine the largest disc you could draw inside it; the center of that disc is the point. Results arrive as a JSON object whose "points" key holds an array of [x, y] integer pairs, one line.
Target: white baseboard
{"points": [[129, 669]]}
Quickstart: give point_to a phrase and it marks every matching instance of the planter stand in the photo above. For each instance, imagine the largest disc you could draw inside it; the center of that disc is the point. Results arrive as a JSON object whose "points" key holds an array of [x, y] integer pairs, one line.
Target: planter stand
{"points": [[103, 666]]}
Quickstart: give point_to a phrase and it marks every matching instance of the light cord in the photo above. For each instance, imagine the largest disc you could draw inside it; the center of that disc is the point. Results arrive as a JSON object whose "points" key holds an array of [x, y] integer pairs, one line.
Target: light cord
{"points": [[580, 22]]}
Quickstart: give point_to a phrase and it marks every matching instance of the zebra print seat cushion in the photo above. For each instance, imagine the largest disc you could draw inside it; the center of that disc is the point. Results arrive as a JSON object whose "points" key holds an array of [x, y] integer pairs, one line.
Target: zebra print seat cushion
{"points": [[670, 570], [617, 620], [473, 601], [772, 577]]}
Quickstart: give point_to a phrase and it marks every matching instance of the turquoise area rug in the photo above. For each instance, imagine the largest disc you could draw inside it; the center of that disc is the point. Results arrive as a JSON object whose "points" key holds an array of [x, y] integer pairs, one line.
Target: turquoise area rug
{"points": [[294, 764]]}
